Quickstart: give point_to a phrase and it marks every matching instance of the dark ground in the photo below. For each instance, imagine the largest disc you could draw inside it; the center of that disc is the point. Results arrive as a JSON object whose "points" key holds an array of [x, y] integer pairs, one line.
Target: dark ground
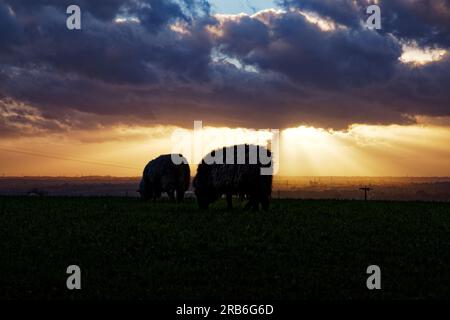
{"points": [[310, 249]]}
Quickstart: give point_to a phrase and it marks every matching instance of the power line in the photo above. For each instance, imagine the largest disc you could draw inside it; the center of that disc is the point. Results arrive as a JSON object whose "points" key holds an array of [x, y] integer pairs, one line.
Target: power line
{"points": [[43, 155], [59, 155]]}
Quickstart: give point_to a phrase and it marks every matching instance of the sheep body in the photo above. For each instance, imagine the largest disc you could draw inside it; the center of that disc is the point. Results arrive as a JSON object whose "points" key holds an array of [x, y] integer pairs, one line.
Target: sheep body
{"points": [[163, 175], [243, 178]]}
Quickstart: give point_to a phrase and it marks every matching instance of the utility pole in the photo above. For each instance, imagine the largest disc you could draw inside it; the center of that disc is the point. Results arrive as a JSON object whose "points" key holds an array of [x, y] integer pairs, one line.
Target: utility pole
{"points": [[366, 190]]}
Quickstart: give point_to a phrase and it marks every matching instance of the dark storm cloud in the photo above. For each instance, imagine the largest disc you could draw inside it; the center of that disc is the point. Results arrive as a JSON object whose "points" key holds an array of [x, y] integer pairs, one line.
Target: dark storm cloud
{"points": [[424, 21], [244, 35], [308, 55], [101, 9], [423, 91], [171, 62], [152, 13], [119, 53]]}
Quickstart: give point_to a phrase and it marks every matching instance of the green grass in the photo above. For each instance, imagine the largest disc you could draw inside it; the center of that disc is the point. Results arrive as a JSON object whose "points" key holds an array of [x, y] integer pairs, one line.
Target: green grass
{"points": [[314, 249]]}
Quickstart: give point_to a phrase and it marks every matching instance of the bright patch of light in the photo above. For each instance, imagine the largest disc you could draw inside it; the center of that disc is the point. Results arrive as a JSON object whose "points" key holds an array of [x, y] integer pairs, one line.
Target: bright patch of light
{"points": [[180, 28], [306, 134], [267, 16], [323, 24], [412, 54], [127, 20]]}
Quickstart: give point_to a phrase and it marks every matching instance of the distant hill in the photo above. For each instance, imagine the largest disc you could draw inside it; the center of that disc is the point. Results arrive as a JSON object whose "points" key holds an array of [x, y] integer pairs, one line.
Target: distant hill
{"points": [[384, 188]]}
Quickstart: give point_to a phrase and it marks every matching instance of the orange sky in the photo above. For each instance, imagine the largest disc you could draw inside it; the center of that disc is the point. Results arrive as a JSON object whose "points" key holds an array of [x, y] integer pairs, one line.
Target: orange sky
{"points": [[362, 150]]}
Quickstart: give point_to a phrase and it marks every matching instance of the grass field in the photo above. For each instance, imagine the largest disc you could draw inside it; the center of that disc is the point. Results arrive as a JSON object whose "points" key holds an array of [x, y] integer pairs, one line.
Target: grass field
{"points": [[128, 249]]}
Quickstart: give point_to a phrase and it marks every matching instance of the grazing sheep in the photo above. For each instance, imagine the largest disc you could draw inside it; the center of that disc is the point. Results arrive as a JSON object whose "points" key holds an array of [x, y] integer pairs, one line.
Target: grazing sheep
{"points": [[163, 175], [240, 177]]}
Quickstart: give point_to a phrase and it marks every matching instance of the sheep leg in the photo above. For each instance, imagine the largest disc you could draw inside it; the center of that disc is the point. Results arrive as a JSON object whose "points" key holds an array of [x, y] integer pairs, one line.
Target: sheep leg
{"points": [[265, 203], [249, 204], [180, 195], [229, 201]]}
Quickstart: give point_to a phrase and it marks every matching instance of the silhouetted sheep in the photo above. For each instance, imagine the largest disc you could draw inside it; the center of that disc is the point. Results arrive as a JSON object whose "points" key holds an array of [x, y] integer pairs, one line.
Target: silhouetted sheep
{"points": [[163, 175], [241, 177]]}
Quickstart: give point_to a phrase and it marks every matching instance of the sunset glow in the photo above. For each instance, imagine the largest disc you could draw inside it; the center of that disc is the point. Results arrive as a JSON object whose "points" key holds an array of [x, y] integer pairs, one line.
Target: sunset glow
{"points": [[362, 150]]}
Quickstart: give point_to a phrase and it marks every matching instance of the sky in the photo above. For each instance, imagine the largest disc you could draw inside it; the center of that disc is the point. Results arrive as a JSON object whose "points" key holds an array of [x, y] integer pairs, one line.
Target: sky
{"points": [[106, 99], [241, 6]]}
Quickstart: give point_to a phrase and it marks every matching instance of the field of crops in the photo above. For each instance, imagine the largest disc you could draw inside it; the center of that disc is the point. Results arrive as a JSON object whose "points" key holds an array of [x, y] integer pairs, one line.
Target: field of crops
{"points": [[311, 249]]}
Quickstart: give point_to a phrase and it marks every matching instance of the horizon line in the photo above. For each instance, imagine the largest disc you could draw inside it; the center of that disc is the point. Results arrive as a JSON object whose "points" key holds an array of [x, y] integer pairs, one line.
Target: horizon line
{"points": [[275, 176]]}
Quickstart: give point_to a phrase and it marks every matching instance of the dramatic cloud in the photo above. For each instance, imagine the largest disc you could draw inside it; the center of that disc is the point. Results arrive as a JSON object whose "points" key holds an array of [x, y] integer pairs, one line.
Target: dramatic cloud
{"points": [[168, 62], [292, 46], [424, 21]]}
